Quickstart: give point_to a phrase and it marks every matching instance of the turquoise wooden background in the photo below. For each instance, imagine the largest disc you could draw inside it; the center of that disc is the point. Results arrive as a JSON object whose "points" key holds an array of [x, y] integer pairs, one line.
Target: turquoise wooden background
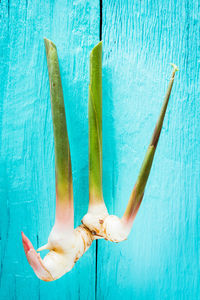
{"points": [[160, 260]]}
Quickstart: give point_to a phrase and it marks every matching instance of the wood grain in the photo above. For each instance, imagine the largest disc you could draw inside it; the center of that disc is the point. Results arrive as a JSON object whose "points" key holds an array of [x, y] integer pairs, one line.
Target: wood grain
{"points": [[27, 153], [160, 259]]}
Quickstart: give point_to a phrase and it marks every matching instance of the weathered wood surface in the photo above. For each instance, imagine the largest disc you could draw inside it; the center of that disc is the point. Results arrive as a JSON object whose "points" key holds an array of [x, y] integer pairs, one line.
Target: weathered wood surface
{"points": [[160, 260], [27, 153]]}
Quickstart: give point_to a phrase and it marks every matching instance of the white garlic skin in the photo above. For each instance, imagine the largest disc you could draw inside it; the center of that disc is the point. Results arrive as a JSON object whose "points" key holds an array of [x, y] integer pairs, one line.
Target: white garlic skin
{"points": [[94, 219], [103, 225], [115, 230], [65, 249]]}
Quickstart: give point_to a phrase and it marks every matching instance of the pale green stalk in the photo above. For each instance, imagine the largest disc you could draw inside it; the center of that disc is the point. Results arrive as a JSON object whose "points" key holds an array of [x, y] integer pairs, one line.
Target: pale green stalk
{"points": [[95, 126], [139, 188], [65, 244], [63, 169]]}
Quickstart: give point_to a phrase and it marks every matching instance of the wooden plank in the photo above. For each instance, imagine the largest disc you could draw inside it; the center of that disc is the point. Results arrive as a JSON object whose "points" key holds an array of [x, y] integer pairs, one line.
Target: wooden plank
{"points": [[160, 258], [27, 154]]}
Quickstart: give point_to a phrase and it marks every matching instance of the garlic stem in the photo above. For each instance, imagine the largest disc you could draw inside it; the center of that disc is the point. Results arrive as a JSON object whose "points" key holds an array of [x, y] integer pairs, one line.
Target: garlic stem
{"points": [[63, 169], [95, 126], [97, 210], [65, 243], [138, 190]]}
